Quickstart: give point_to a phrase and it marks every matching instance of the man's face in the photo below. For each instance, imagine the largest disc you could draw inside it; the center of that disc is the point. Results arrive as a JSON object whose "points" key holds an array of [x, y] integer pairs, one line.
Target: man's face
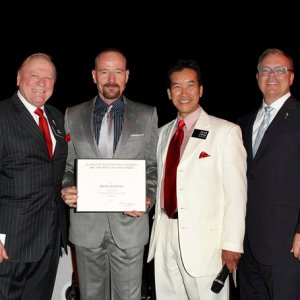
{"points": [[271, 85], [185, 91], [36, 80], [110, 76]]}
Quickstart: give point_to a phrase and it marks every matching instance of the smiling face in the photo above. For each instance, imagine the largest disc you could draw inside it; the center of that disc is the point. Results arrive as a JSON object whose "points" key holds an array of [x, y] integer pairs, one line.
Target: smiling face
{"points": [[271, 85], [110, 75], [185, 91], [36, 79]]}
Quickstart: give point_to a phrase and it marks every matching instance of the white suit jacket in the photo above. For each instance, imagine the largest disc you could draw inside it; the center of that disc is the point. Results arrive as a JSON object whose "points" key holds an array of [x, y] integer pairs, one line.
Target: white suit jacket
{"points": [[211, 194]]}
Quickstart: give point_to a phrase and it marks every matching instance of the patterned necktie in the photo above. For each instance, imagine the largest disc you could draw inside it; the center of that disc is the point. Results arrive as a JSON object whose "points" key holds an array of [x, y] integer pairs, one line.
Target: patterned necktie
{"points": [[172, 161], [106, 140], [43, 124], [262, 128]]}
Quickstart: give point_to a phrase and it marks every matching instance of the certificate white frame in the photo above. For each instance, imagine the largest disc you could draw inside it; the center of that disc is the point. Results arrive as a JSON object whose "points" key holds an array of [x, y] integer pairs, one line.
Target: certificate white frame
{"points": [[111, 185]]}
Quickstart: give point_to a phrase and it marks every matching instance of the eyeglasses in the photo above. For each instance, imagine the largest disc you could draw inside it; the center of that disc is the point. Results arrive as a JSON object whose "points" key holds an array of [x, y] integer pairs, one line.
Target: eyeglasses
{"points": [[278, 71]]}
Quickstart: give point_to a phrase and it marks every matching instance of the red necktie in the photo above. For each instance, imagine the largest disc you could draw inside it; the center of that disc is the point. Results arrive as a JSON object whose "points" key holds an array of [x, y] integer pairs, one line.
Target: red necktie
{"points": [[172, 161], [43, 124]]}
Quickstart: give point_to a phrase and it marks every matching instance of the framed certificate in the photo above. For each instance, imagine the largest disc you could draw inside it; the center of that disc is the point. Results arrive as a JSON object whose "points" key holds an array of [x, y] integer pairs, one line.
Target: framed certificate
{"points": [[111, 185]]}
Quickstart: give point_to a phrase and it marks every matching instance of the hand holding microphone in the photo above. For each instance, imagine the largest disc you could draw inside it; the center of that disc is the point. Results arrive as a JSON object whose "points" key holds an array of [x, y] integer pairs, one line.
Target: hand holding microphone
{"points": [[219, 282]]}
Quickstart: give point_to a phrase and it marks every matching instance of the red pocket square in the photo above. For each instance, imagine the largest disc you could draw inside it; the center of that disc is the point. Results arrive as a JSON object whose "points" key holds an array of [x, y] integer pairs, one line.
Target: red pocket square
{"points": [[67, 137], [203, 154]]}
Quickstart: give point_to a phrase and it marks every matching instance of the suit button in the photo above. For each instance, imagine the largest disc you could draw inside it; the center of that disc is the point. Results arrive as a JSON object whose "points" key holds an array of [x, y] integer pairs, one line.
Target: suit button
{"points": [[250, 176], [50, 208]]}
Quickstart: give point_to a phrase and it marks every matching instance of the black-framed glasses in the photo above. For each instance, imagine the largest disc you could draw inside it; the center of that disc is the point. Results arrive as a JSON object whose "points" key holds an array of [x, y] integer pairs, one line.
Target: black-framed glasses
{"points": [[278, 71]]}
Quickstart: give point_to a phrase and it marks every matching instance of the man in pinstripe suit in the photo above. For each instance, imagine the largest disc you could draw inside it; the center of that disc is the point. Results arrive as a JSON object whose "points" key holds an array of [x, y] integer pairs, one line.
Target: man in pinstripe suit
{"points": [[32, 214]]}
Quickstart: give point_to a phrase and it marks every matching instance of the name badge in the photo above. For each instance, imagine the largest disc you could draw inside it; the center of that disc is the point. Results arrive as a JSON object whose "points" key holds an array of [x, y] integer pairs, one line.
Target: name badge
{"points": [[200, 134], [57, 132]]}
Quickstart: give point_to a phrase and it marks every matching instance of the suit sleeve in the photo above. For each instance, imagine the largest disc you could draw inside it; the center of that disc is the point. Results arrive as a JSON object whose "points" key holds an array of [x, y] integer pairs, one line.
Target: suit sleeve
{"points": [[235, 189], [69, 178], [150, 156]]}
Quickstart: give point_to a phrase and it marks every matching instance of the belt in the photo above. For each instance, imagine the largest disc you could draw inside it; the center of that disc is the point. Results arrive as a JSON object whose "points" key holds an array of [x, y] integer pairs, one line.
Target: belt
{"points": [[175, 215]]}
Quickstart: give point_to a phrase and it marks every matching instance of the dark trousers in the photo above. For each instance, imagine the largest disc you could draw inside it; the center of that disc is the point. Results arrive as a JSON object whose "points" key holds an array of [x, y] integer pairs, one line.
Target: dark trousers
{"points": [[30, 280], [255, 279]]}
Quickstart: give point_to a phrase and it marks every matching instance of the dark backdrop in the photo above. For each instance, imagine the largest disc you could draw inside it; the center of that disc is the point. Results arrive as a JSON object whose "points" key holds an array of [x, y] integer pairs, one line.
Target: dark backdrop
{"points": [[226, 39]]}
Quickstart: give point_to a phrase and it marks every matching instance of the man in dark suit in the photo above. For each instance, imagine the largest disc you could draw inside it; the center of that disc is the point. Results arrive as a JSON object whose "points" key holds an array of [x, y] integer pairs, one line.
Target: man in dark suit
{"points": [[270, 266], [32, 214], [110, 245]]}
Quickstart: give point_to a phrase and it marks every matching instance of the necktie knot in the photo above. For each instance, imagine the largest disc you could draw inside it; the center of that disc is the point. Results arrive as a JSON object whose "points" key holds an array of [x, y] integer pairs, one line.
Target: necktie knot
{"points": [[43, 124], [268, 109], [181, 124], [39, 112], [267, 116], [108, 113], [262, 128]]}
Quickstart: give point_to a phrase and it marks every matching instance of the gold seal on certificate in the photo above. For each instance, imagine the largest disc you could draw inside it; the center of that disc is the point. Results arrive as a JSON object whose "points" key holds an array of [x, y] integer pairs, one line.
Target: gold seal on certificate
{"points": [[114, 185]]}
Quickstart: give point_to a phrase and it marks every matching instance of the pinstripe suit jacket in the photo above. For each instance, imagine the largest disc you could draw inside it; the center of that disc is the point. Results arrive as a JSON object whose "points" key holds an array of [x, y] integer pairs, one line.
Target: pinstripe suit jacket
{"points": [[138, 140], [30, 183]]}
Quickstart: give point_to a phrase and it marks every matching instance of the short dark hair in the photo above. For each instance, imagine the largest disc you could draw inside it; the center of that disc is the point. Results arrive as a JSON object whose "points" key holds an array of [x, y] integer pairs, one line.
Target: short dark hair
{"points": [[182, 64]]}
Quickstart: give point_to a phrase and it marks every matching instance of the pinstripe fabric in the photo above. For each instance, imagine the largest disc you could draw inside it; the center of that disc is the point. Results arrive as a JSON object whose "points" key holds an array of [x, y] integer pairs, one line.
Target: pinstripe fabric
{"points": [[30, 281], [30, 182]]}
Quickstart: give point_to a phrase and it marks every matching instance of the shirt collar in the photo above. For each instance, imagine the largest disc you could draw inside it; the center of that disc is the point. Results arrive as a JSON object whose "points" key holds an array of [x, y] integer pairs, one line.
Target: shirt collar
{"points": [[191, 119], [279, 102], [31, 108], [118, 106]]}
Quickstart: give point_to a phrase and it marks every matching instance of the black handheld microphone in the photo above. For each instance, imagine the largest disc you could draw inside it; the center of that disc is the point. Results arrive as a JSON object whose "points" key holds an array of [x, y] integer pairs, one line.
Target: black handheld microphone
{"points": [[219, 282]]}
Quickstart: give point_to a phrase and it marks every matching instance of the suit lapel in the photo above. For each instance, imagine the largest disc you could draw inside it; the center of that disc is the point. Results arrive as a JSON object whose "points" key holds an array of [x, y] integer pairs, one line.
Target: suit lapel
{"points": [[164, 141], [247, 135], [195, 143], [286, 109], [26, 121], [130, 118], [87, 121], [59, 133]]}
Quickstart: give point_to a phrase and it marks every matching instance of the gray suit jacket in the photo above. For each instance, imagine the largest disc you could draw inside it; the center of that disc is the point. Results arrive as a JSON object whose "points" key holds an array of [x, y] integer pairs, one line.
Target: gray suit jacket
{"points": [[138, 140]]}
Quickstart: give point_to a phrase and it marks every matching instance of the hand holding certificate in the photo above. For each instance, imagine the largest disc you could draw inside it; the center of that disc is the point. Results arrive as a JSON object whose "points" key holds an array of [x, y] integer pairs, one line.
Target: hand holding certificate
{"points": [[111, 185]]}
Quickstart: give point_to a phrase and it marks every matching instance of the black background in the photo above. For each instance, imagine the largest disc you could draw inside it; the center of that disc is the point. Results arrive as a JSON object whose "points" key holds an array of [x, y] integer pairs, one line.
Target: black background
{"points": [[226, 39]]}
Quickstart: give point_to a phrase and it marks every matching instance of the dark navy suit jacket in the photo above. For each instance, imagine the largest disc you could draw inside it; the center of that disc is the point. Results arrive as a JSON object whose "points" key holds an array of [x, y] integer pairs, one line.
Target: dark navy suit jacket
{"points": [[273, 205]]}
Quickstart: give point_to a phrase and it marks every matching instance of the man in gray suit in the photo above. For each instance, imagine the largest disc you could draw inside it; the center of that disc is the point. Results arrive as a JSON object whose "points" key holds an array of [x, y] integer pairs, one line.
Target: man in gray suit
{"points": [[32, 213], [113, 242]]}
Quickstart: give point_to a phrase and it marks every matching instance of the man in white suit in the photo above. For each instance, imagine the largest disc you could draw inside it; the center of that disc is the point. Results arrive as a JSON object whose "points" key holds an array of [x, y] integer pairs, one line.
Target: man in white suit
{"points": [[207, 230]]}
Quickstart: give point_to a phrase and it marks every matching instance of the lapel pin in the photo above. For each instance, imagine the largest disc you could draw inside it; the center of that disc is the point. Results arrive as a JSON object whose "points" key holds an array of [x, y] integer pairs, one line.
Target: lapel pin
{"points": [[286, 116]]}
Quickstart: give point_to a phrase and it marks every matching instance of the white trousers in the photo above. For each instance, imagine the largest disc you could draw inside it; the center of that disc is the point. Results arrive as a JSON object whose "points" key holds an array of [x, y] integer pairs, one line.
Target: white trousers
{"points": [[172, 282]]}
